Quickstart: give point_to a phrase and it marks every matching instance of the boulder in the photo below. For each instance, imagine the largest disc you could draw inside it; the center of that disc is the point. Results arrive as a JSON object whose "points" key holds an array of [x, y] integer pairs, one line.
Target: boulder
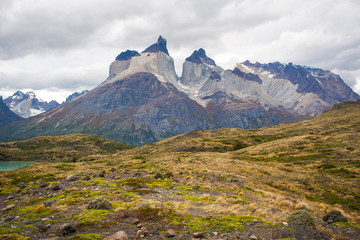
{"points": [[44, 184], [141, 233], [9, 207], [42, 227], [121, 235], [21, 185], [55, 187], [67, 229], [49, 203], [238, 182], [71, 178], [198, 235], [170, 233], [102, 174], [253, 237], [136, 221]]}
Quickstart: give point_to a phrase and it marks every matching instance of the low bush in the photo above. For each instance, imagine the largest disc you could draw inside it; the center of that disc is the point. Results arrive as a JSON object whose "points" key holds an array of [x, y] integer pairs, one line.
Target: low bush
{"points": [[302, 217]]}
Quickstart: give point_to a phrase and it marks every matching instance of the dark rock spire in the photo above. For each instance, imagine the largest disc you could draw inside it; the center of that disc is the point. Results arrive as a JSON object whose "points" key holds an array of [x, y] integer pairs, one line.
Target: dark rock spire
{"points": [[199, 56], [159, 46], [127, 55]]}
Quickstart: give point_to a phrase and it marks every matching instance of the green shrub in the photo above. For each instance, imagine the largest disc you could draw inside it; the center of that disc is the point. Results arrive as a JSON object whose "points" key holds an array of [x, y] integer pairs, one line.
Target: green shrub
{"points": [[327, 166], [239, 145], [301, 217], [334, 216], [99, 203]]}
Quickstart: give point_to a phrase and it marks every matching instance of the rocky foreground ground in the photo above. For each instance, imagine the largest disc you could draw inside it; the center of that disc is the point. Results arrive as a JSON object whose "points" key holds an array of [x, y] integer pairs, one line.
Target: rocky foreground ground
{"points": [[127, 204], [298, 181]]}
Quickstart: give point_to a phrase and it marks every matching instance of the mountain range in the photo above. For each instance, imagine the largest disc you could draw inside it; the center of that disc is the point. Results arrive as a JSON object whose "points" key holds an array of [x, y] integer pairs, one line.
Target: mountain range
{"points": [[143, 100], [28, 104]]}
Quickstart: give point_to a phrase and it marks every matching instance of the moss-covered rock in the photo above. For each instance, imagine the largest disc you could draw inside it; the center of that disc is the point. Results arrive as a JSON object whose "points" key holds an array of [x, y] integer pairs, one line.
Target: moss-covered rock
{"points": [[99, 203], [301, 217]]}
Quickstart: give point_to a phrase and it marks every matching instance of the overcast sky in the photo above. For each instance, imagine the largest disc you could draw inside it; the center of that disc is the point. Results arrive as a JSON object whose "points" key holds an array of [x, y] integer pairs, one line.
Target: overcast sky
{"points": [[56, 47]]}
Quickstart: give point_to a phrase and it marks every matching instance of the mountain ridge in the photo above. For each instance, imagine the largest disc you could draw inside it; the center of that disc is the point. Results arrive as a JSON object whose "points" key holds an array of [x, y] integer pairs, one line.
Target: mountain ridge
{"points": [[206, 96]]}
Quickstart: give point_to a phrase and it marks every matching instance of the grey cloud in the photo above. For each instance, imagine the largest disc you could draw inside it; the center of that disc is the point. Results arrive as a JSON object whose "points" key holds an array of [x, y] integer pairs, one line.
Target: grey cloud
{"points": [[320, 33], [47, 25], [80, 78]]}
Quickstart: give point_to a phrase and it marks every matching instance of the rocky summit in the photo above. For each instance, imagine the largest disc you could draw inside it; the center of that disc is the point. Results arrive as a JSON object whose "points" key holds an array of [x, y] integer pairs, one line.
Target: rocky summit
{"points": [[143, 100], [159, 46]]}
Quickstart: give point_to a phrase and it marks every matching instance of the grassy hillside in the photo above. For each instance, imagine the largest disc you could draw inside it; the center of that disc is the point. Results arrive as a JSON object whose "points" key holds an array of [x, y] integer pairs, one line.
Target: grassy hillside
{"points": [[67, 148], [227, 183], [318, 159]]}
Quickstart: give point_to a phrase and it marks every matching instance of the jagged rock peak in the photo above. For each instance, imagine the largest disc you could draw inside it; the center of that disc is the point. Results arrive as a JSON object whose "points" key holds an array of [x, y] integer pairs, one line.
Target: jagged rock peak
{"points": [[159, 46], [247, 76], [199, 56], [127, 55], [19, 94]]}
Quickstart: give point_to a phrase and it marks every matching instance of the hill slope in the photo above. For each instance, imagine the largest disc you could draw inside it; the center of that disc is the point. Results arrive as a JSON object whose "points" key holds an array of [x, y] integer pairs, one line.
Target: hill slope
{"points": [[67, 148], [234, 182], [6, 115], [318, 159]]}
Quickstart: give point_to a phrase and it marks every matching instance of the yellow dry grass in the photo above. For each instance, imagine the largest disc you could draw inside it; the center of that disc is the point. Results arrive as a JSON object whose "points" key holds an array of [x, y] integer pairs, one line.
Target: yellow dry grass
{"points": [[313, 165]]}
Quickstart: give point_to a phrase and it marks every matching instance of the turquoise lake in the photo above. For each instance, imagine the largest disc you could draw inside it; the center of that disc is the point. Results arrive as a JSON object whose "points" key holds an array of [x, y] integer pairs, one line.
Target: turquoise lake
{"points": [[12, 165]]}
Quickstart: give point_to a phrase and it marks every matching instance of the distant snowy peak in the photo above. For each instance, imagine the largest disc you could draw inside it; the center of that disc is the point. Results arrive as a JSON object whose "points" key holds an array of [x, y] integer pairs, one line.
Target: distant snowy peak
{"points": [[32, 95], [27, 104]]}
